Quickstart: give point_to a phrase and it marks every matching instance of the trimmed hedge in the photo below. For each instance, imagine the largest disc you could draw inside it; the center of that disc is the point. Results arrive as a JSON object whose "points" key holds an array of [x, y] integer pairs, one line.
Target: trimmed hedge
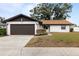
{"points": [[41, 32], [2, 31]]}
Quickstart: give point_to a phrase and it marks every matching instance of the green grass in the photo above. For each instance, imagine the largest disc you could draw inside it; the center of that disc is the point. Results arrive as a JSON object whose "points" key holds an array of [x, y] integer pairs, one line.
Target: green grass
{"points": [[56, 40], [66, 37]]}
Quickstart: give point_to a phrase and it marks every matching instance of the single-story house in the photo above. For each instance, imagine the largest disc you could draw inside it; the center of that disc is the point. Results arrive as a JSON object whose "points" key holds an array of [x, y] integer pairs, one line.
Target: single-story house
{"points": [[24, 25]]}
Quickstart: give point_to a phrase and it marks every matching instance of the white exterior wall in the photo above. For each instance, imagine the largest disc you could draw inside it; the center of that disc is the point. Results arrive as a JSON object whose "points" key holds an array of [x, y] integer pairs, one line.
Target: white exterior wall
{"points": [[57, 28], [76, 29], [29, 22]]}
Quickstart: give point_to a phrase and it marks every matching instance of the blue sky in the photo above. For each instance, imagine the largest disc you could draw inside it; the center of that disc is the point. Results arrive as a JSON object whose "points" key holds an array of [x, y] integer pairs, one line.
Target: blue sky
{"points": [[75, 13], [11, 9]]}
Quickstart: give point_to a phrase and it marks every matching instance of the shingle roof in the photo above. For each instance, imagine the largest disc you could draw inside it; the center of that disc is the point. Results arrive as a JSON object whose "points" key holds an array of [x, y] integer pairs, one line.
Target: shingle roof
{"points": [[12, 18], [55, 22]]}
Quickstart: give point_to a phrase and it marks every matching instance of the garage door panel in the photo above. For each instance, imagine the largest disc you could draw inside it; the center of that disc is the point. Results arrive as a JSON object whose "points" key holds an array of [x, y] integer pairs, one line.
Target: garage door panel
{"points": [[22, 29]]}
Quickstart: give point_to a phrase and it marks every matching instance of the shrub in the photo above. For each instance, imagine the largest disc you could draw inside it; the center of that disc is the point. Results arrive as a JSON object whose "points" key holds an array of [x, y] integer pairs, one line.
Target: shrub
{"points": [[41, 32], [2, 31]]}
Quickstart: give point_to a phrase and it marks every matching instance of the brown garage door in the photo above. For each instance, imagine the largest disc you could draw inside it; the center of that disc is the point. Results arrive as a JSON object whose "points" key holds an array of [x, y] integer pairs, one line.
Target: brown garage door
{"points": [[22, 29]]}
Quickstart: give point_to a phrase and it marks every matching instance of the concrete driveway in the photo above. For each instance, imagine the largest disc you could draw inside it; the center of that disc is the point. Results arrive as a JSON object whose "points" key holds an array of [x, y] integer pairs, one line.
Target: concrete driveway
{"points": [[14, 40], [12, 45]]}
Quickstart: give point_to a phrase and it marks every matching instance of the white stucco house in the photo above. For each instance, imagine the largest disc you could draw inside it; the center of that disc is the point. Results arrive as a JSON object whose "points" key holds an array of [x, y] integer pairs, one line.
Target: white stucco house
{"points": [[24, 25], [57, 25]]}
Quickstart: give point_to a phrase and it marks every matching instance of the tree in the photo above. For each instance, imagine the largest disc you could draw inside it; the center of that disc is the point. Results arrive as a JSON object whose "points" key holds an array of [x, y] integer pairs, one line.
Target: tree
{"points": [[46, 10], [2, 19]]}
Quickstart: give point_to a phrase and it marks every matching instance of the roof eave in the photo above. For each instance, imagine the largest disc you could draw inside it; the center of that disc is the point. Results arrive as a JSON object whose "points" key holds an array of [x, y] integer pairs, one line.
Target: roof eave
{"points": [[9, 19]]}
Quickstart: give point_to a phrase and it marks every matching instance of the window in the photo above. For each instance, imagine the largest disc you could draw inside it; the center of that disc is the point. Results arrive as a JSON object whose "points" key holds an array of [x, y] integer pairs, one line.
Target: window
{"points": [[63, 27]]}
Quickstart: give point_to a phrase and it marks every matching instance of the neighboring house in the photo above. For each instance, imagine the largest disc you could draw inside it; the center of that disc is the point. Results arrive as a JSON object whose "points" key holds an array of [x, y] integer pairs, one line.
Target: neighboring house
{"points": [[76, 29], [24, 25], [2, 25]]}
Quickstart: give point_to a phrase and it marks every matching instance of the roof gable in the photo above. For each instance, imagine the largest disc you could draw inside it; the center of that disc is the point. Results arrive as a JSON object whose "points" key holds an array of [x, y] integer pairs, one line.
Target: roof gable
{"points": [[18, 18]]}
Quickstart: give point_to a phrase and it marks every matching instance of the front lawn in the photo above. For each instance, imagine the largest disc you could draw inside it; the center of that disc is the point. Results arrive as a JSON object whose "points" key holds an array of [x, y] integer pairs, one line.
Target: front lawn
{"points": [[56, 40]]}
